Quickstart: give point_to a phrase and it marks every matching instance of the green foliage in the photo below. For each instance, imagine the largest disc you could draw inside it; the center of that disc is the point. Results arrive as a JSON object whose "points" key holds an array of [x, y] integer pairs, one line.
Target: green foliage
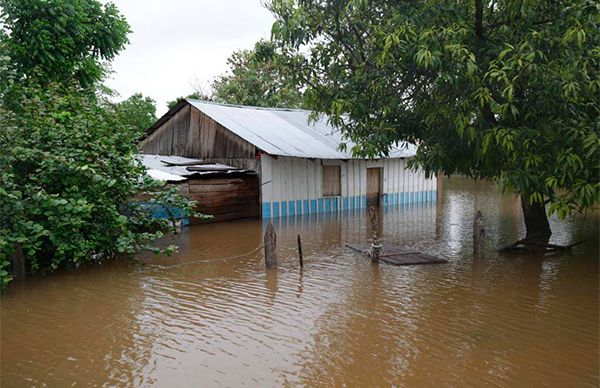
{"points": [[71, 190], [196, 95], [137, 113], [256, 78], [69, 183], [61, 40], [504, 90]]}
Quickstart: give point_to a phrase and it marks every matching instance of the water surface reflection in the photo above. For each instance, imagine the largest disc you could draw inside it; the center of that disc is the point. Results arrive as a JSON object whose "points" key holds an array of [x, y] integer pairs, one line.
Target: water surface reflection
{"points": [[212, 315]]}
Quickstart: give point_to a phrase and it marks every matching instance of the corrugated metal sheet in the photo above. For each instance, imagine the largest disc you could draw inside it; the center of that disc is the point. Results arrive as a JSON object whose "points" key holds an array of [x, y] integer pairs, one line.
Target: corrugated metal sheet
{"points": [[164, 176], [178, 168], [286, 132]]}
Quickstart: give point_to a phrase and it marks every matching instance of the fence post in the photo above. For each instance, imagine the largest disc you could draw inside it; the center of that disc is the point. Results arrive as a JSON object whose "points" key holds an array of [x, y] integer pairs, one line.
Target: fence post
{"points": [[376, 246], [300, 252], [270, 246]]}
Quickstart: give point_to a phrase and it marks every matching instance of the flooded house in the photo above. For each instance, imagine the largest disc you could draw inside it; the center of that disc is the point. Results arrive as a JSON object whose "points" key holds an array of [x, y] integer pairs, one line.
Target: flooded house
{"points": [[298, 164]]}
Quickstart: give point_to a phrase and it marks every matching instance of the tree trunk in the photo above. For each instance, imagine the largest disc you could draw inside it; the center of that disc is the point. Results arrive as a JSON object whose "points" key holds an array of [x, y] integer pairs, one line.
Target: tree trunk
{"points": [[18, 263], [479, 18], [536, 221]]}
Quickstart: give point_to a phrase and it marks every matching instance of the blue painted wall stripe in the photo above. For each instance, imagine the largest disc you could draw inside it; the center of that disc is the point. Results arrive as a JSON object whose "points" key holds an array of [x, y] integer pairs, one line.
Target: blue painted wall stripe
{"points": [[266, 210], [331, 204]]}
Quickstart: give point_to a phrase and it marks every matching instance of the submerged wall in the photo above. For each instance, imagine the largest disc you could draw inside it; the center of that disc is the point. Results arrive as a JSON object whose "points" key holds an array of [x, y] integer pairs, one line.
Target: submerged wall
{"points": [[291, 186], [226, 198]]}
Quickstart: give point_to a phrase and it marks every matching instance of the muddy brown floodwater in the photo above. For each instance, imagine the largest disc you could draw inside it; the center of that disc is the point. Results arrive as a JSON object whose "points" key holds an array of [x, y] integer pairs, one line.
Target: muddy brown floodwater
{"points": [[196, 320]]}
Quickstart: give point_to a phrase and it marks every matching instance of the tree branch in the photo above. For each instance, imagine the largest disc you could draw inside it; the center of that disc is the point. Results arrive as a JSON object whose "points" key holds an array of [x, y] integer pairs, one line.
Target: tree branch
{"points": [[488, 115], [479, 18]]}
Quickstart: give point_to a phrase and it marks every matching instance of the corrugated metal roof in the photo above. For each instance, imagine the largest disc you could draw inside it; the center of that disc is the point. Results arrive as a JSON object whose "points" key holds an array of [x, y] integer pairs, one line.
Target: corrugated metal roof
{"points": [[178, 168], [286, 132], [164, 176]]}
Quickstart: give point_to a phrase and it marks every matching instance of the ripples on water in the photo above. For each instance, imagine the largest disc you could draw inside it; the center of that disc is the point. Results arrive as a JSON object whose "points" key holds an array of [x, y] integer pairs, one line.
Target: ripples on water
{"points": [[507, 321]]}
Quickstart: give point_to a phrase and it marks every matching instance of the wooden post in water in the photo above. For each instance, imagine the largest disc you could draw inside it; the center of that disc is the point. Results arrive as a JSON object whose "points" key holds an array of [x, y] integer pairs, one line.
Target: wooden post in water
{"points": [[270, 246], [376, 246], [300, 252], [18, 263], [478, 236]]}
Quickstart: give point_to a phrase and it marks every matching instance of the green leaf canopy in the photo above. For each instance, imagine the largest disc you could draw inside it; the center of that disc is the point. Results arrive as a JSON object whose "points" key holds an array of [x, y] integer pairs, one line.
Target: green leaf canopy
{"points": [[504, 90]]}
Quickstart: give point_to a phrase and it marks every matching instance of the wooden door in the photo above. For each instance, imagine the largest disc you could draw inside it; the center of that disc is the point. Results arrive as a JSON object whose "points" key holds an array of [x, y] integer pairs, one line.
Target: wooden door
{"points": [[332, 182], [373, 185]]}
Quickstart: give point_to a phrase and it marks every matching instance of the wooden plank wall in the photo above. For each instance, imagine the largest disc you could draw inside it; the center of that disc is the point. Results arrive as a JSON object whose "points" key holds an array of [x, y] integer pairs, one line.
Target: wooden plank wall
{"points": [[171, 137], [193, 134], [226, 198]]}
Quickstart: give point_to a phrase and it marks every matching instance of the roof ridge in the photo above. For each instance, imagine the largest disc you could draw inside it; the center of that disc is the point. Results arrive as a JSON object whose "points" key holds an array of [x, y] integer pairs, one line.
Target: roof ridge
{"points": [[248, 106], [278, 132]]}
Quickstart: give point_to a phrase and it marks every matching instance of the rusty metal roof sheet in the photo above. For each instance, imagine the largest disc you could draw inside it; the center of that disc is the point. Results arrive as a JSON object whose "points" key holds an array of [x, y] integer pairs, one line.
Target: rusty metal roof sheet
{"points": [[286, 132]]}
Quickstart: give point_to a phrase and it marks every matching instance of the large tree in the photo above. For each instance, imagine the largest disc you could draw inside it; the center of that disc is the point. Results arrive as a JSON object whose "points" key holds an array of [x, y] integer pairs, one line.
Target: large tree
{"points": [[506, 90], [256, 78], [62, 41]]}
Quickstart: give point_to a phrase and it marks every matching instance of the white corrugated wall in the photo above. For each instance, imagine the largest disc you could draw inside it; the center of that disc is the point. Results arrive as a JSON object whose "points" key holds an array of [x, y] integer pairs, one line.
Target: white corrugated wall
{"points": [[291, 186]]}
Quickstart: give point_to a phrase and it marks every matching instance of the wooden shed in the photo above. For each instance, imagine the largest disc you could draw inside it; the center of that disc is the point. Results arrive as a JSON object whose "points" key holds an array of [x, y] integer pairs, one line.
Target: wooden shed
{"points": [[222, 191], [299, 164]]}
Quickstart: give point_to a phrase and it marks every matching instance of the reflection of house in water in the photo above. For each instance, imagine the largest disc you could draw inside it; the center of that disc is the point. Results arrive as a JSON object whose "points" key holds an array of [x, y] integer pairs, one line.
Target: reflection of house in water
{"points": [[410, 225], [299, 164]]}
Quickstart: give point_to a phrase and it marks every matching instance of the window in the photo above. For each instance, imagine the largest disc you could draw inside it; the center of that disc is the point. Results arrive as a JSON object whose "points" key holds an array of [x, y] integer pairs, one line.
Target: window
{"points": [[332, 181]]}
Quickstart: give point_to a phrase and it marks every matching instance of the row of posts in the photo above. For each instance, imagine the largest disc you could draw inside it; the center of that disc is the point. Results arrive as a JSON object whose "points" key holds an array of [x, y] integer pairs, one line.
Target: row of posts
{"points": [[270, 241]]}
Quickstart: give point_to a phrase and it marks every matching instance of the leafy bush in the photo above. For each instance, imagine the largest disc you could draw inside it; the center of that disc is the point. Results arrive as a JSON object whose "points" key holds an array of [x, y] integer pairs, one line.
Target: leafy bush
{"points": [[70, 187]]}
